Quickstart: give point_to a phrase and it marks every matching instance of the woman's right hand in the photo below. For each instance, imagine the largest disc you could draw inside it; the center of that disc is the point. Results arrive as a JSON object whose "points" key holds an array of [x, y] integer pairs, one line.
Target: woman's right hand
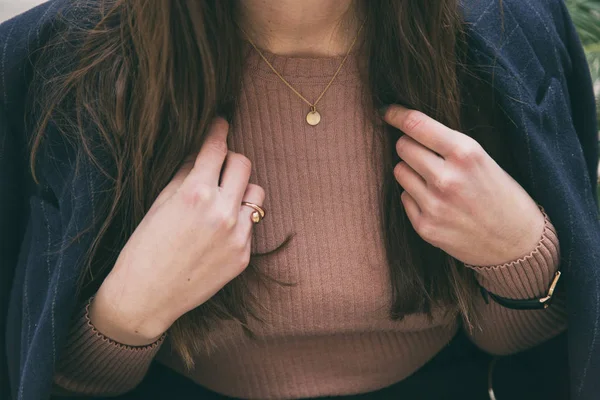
{"points": [[194, 239]]}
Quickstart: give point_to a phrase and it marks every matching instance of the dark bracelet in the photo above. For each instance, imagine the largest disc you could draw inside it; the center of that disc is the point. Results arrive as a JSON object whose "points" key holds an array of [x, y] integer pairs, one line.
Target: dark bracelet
{"points": [[524, 304]]}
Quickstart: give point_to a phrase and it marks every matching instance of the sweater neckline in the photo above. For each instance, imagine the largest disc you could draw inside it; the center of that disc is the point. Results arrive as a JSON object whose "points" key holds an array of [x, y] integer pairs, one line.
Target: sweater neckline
{"points": [[301, 69]]}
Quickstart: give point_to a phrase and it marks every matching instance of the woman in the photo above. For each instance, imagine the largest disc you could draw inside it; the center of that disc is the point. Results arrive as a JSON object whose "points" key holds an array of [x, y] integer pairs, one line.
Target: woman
{"points": [[256, 229]]}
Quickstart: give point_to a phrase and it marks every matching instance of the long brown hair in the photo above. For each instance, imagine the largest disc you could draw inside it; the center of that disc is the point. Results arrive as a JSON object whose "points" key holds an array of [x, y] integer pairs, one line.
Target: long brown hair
{"points": [[142, 84]]}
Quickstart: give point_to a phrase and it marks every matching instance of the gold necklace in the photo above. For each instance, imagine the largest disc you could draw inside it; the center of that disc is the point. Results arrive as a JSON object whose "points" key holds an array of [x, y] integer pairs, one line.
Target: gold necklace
{"points": [[313, 117]]}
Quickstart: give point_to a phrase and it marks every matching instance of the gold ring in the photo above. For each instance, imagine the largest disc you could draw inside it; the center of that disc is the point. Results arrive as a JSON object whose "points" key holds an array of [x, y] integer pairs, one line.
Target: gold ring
{"points": [[258, 214]]}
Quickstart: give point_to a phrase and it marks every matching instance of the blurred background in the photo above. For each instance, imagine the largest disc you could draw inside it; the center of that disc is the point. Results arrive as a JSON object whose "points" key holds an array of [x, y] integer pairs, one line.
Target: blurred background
{"points": [[585, 14], [8, 8]]}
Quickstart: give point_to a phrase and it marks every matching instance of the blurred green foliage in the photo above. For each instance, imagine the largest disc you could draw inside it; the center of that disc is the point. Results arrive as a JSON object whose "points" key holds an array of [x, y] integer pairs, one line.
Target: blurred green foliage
{"points": [[586, 16]]}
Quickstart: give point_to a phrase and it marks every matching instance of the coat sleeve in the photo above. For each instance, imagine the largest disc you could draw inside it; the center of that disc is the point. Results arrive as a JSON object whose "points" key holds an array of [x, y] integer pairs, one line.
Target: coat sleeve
{"points": [[13, 208], [12, 215], [36, 281], [539, 71], [583, 279]]}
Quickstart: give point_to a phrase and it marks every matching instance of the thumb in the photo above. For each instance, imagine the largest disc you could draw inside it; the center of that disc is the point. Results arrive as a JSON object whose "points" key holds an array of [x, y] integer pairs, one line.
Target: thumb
{"points": [[176, 181]]}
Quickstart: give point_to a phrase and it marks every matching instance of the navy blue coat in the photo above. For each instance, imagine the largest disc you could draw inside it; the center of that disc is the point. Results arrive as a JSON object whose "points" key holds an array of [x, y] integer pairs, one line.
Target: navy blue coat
{"points": [[539, 72]]}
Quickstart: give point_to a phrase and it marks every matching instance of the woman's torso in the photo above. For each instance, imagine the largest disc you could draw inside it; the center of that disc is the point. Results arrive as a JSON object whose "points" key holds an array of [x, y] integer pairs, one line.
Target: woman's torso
{"points": [[330, 332]]}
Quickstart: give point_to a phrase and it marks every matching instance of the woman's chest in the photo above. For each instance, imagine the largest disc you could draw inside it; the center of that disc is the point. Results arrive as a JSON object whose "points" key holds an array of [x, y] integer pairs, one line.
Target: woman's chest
{"points": [[323, 187]]}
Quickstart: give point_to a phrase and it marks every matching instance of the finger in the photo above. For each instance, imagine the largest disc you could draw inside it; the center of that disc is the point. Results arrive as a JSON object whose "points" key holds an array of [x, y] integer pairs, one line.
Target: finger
{"points": [[208, 164], [411, 182], [235, 177], [177, 180], [424, 161], [411, 207], [184, 170], [425, 130], [254, 194]]}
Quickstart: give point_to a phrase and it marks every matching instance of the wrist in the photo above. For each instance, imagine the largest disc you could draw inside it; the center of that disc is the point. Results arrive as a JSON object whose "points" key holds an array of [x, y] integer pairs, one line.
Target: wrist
{"points": [[121, 321], [515, 243], [529, 276], [533, 234]]}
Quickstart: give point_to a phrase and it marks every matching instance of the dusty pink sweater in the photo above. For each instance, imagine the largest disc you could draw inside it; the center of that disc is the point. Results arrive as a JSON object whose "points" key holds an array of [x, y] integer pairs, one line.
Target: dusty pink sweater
{"points": [[330, 333]]}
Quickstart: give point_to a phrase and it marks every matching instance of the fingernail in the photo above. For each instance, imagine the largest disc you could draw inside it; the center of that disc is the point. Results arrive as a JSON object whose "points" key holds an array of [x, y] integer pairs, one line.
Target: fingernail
{"points": [[382, 110]]}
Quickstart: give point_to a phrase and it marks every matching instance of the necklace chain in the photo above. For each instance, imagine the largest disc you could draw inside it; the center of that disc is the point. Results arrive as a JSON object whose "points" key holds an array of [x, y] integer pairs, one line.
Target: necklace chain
{"points": [[313, 106]]}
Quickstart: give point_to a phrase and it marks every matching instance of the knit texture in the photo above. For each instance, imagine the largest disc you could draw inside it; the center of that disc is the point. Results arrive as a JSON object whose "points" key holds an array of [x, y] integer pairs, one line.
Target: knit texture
{"points": [[329, 333], [94, 363]]}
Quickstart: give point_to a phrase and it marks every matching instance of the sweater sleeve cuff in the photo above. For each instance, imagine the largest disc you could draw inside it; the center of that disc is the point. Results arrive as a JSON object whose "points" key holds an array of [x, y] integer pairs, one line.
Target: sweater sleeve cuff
{"points": [[528, 277], [95, 364]]}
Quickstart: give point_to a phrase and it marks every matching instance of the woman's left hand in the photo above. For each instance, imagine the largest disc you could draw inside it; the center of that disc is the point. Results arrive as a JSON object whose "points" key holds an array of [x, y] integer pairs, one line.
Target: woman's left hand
{"points": [[457, 197]]}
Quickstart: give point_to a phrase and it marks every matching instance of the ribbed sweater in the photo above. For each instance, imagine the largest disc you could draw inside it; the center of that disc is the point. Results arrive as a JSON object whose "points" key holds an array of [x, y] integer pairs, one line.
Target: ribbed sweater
{"points": [[329, 333]]}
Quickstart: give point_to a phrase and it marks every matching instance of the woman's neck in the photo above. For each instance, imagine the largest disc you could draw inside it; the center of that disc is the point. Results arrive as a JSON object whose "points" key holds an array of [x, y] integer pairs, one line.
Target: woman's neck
{"points": [[308, 28]]}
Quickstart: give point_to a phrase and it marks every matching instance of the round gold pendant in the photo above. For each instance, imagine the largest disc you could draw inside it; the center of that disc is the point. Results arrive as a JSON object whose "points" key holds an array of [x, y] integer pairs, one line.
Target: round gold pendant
{"points": [[313, 117]]}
